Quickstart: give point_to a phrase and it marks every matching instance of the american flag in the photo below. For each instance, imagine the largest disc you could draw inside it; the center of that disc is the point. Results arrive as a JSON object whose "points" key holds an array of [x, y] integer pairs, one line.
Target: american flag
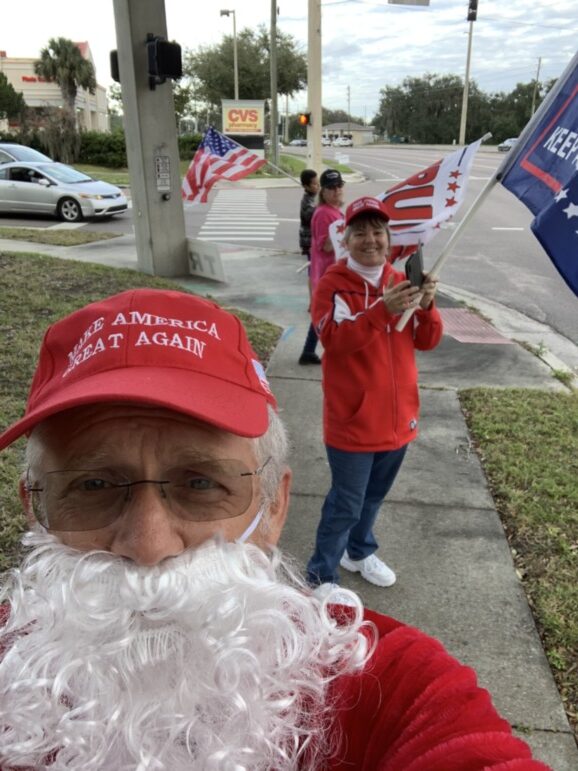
{"points": [[217, 157]]}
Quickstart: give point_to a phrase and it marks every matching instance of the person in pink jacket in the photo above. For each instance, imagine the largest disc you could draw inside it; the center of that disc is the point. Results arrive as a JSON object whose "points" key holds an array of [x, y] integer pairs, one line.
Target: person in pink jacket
{"points": [[322, 253], [370, 391]]}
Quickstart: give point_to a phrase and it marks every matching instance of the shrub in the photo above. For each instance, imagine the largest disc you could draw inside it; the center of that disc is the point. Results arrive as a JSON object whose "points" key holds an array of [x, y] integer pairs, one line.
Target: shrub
{"points": [[101, 149], [28, 138], [188, 144]]}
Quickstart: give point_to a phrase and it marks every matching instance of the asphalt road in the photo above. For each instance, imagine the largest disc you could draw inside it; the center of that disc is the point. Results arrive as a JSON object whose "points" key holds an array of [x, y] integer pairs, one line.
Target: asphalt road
{"points": [[497, 257]]}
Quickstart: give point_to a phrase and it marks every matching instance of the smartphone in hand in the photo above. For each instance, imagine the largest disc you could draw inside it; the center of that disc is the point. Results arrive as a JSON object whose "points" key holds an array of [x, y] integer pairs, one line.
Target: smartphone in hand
{"points": [[414, 267]]}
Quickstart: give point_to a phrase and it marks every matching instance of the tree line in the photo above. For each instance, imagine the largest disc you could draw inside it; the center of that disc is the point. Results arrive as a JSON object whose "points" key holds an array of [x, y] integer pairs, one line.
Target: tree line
{"points": [[423, 109], [428, 110]]}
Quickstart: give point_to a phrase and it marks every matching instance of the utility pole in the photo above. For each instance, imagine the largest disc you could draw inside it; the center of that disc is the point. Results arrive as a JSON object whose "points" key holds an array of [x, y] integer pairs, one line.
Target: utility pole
{"points": [[472, 16], [536, 86], [152, 149], [348, 109], [274, 134], [286, 134], [225, 12], [314, 160]]}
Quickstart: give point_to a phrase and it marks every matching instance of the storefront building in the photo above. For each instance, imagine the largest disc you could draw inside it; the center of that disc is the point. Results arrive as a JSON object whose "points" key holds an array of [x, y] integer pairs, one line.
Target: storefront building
{"points": [[40, 95]]}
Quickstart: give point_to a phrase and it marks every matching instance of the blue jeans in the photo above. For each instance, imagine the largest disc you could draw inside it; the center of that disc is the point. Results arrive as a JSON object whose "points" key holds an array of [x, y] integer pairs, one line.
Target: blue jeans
{"points": [[359, 483], [310, 340]]}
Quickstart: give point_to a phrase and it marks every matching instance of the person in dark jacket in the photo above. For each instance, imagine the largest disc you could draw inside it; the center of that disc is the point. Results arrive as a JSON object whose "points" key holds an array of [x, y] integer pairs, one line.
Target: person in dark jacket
{"points": [[370, 391], [310, 183]]}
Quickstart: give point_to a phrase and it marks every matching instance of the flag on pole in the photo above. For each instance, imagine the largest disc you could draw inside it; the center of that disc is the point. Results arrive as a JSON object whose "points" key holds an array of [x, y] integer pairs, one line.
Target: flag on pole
{"points": [[543, 174], [217, 157], [418, 206]]}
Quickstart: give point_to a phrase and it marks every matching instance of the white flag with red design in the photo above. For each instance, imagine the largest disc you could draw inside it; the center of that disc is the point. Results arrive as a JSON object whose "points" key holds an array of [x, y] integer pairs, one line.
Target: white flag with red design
{"points": [[418, 206], [336, 233]]}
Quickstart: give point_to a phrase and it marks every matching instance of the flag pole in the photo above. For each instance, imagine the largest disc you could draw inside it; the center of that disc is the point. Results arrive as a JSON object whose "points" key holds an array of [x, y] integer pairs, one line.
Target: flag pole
{"points": [[444, 254]]}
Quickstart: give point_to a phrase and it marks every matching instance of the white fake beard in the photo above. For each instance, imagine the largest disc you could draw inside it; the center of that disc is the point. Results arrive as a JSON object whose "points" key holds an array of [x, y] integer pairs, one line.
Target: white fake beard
{"points": [[210, 661]]}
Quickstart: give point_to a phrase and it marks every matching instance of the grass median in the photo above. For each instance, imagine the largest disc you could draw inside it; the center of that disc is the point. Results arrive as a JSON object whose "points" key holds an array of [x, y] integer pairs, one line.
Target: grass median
{"points": [[36, 291], [55, 237], [528, 444]]}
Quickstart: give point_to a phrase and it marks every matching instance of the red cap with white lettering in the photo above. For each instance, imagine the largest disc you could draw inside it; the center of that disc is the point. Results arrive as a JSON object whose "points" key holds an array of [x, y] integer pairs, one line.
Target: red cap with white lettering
{"points": [[148, 346], [365, 205]]}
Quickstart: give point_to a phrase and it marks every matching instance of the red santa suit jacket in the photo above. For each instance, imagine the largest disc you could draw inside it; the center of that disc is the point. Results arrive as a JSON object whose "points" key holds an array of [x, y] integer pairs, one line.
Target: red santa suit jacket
{"points": [[371, 398], [412, 708], [416, 708]]}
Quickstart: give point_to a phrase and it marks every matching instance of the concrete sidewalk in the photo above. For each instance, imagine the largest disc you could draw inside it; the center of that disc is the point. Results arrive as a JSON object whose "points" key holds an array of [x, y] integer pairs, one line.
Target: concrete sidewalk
{"points": [[438, 528]]}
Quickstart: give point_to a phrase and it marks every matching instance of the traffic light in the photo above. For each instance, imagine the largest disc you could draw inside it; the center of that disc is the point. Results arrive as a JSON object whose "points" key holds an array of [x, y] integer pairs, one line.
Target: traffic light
{"points": [[472, 10], [304, 119], [164, 60]]}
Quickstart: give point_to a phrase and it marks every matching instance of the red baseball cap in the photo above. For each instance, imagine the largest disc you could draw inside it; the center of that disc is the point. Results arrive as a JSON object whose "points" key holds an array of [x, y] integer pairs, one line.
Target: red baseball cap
{"points": [[158, 347], [363, 205]]}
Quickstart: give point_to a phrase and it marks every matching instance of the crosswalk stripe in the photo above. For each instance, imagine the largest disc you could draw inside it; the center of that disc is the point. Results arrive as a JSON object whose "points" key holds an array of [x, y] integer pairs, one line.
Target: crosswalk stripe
{"points": [[239, 217]]}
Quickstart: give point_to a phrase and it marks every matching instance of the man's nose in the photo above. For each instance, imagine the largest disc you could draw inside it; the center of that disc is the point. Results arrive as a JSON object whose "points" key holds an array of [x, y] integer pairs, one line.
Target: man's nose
{"points": [[147, 531]]}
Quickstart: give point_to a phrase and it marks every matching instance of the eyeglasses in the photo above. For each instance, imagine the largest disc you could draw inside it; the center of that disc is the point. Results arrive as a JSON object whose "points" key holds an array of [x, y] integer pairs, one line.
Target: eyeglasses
{"points": [[88, 499]]}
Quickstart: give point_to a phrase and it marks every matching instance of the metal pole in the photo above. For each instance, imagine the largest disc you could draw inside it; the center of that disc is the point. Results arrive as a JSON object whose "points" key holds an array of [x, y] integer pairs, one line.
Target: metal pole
{"points": [[274, 115], [536, 86], [235, 60], [462, 139], [314, 160], [348, 109]]}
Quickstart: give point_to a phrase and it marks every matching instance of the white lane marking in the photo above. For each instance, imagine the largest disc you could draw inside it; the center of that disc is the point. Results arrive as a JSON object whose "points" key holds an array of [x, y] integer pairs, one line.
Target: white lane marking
{"points": [[224, 236], [239, 216], [67, 226]]}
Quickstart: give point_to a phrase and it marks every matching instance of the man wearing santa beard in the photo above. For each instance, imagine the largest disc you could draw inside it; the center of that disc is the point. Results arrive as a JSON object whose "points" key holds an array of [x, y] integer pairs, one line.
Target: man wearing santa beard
{"points": [[152, 623]]}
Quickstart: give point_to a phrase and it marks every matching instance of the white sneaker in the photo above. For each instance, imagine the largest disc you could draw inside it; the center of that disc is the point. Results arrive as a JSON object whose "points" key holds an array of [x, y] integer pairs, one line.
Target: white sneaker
{"points": [[371, 568], [334, 594]]}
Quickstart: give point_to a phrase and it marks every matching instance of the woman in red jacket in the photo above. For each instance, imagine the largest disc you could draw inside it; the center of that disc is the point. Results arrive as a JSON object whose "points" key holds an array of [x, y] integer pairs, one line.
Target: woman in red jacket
{"points": [[371, 401]]}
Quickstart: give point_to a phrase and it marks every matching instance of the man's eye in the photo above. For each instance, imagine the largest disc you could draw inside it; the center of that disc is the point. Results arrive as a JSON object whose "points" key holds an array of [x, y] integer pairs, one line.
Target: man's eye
{"points": [[201, 483], [94, 485]]}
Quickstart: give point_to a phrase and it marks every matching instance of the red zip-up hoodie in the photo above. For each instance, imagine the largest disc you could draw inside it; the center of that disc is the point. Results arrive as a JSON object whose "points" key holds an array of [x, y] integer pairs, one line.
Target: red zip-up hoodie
{"points": [[371, 399]]}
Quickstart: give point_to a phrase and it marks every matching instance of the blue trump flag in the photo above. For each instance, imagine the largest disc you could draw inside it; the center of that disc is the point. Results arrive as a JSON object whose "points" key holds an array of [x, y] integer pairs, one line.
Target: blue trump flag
{"points": [[543, 173]]}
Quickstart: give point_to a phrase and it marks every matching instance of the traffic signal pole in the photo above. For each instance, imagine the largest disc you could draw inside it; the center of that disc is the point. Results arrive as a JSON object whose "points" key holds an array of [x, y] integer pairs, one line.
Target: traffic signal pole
{"points": [[472, 15], [151, 143], [314, 160]]}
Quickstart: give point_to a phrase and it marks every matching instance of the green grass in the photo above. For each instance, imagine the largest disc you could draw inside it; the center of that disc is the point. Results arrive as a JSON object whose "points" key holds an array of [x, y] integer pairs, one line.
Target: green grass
{"points": [[118, 177], [292, 164], [36, 291], [528, 444], [55, 237]]}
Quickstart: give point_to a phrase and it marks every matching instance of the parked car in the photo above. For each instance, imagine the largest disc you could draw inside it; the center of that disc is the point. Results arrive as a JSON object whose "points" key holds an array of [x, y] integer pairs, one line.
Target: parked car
{"points": [[54, 188], [507, 144], [343, 142], [325, 142], [13, 152], [298, 143]]}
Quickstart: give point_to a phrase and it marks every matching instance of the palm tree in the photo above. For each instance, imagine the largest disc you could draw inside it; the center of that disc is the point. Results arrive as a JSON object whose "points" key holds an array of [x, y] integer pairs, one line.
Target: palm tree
{"points": [[62, 63]]}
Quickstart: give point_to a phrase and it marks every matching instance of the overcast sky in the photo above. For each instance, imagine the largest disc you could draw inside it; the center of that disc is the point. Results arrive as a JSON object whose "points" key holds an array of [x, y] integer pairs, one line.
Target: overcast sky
{"points": [[367, 44]]}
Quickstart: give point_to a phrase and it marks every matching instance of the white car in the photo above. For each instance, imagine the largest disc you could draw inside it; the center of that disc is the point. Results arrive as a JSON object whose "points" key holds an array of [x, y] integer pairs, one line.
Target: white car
{"points": [[54, 188], [10, 151], [507, 144], [325, 142], [343, 142]]}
